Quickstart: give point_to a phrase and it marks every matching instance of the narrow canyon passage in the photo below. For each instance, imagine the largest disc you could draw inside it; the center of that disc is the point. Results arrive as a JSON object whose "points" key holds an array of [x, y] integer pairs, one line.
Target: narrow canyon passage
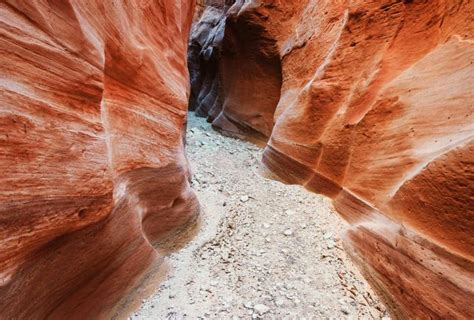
{"points": [[264, 249], [369, 103]]}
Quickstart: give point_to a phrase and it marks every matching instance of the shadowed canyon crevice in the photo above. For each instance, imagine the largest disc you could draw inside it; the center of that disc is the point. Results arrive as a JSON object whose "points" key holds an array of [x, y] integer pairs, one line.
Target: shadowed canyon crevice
{"points": [[369, 103], [225, 44]]}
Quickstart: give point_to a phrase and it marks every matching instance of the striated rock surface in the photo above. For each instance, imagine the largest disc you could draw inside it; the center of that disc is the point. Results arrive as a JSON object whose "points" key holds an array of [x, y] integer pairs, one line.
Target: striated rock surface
{"points": [[224, 50], [203, 59], [373, 107], [94, 176]]}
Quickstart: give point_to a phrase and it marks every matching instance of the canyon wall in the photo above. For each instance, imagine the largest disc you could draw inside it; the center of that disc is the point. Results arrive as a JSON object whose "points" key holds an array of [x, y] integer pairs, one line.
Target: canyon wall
{"points": [[94, 177], [370, 103], [224, 43]]}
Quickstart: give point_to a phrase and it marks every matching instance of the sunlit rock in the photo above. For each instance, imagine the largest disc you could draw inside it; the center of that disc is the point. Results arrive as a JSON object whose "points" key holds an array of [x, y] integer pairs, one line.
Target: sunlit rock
{"points": [[373, 107], [94, 176]]}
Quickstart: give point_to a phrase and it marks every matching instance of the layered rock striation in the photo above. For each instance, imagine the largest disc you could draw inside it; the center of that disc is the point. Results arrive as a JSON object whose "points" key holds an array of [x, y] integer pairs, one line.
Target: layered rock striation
{"points": [[94, 176], [370, 103], [224, 50]]}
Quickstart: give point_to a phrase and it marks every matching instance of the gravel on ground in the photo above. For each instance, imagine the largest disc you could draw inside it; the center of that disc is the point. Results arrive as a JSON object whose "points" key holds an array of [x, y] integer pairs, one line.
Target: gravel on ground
{"points": [[265, 250]]}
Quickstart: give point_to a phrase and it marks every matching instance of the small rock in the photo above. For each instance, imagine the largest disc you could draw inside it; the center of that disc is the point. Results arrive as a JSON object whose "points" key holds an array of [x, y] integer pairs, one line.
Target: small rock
{"points": [[244, 198], [330, 244], [344, 310], [290, 212], [266, 225], [261, 308], [279, 302], [327, 236], [288, 232], [248, 305]]}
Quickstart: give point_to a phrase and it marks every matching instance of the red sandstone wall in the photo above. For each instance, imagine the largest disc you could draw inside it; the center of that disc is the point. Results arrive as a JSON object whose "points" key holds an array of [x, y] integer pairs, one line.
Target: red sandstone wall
{"points": [[94, 99], [375, 111], [225, 50], [367, 102]]}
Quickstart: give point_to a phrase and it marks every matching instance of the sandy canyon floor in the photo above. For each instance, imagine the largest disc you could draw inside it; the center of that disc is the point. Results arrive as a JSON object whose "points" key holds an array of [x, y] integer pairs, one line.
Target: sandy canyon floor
{"points": [[264, 250]]}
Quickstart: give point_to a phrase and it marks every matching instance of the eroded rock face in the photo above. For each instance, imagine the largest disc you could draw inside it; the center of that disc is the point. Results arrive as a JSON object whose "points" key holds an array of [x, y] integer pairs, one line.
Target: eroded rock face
{"points": [[203, 59], [375, 110], [94, 176], [225, 49]]}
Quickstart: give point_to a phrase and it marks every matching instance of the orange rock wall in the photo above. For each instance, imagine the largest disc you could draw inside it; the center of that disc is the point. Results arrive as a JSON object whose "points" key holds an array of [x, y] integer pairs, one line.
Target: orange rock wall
{"points": [[94, 176], [375, 110], [225, 50]]}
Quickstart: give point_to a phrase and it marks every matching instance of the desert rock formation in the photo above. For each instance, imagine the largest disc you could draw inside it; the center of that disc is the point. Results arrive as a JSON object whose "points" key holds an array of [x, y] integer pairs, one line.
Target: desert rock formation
{"points": [[370, 103], [224, 43], [367, 102], [94, 176]]}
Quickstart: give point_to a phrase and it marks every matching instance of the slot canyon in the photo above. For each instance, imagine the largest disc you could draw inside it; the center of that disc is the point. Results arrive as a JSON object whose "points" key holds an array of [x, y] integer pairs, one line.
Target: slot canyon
{"points": [[237, 159]]}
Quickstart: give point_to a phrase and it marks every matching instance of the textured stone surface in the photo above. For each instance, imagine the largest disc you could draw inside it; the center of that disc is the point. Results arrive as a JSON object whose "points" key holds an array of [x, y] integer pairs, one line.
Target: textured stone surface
{"points": [[203, 59], [93, 107], [375, 110], [224, 50]]}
